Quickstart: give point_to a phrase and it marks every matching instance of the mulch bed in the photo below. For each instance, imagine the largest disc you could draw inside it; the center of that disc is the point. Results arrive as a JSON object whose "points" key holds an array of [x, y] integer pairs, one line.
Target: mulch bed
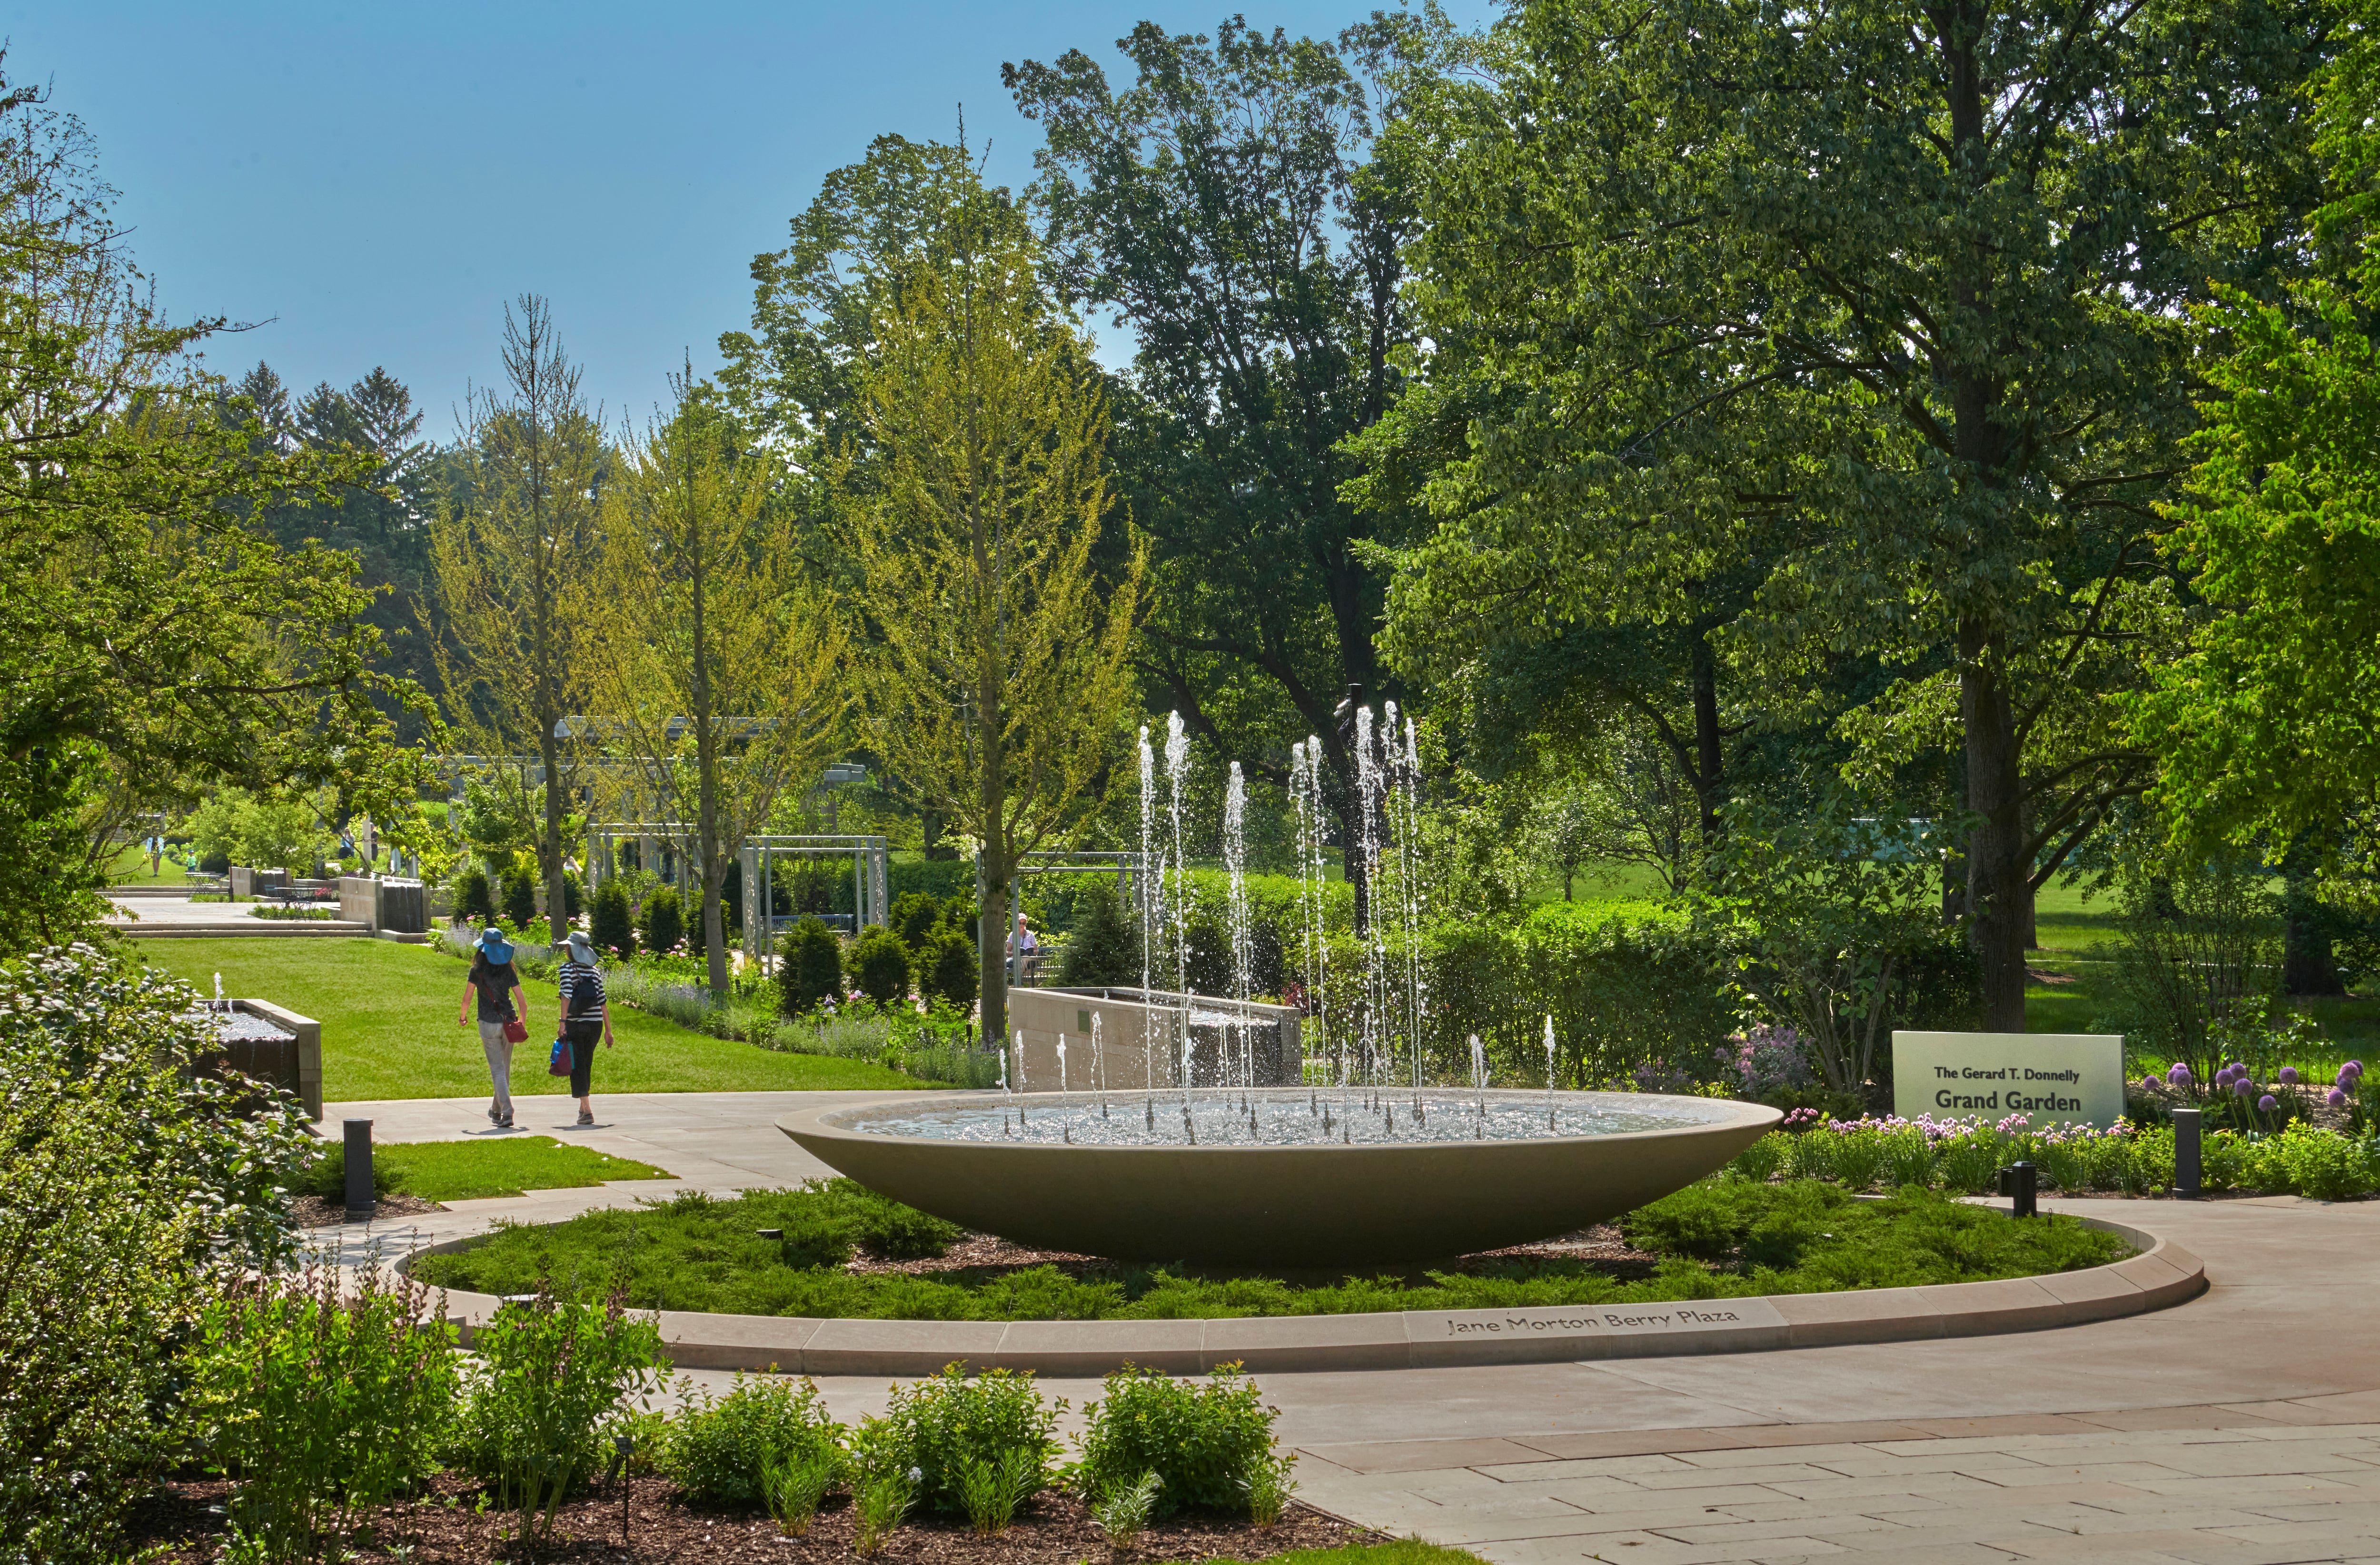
{"points": [[979, 1258], [185, 1521], [316, 1212]]}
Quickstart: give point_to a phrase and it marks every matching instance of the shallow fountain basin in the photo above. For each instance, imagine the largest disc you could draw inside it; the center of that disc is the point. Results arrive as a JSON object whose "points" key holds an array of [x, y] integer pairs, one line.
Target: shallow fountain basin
{"points": [[1280, 1203]]}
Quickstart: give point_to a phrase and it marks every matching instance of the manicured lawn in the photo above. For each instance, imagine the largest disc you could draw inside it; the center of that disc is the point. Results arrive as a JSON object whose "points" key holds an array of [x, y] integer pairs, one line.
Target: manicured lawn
{"points": [[468, 1170], [388, 1026]]}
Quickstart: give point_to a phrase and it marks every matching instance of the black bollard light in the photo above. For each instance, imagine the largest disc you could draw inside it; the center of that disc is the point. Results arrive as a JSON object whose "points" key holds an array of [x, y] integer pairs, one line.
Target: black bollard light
{"points": [[361, 1204], [2020, 1183], [2187, 1144]]}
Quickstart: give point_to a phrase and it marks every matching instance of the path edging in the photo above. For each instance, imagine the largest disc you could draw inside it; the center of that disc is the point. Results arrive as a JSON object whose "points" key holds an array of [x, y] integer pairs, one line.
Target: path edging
{"points": [[2162, 1275]]}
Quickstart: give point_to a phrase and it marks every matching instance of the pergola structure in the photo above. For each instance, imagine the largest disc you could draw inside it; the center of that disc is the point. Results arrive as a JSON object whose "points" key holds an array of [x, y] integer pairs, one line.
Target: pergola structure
{"points": [[871, 860]]}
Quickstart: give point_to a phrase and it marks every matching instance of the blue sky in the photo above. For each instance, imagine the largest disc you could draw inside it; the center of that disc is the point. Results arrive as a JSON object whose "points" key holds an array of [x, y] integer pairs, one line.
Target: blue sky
{"points": [[374, 182]]}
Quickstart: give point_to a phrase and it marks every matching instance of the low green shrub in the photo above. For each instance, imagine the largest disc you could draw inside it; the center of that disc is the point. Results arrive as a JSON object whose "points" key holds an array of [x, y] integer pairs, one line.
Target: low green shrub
{"points": [[519, 895], [472, 898], [1760, 1161], [663, 926], [325, 1172], [845, 1216], [551, 1377], [720, 1449], [610, 923], [809, 967], [948, 968], [1206, 1442], [940, 1427], [915, 914], [319, 1401], [880, 965]]}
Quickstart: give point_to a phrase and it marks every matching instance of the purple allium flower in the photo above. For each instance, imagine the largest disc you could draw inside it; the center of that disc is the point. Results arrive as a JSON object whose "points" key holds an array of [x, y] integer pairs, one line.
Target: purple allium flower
{"points": [[2268, 1103], [2240, 1089], [2355, 1065], [2179, 1074], [2335, 1098], [2148, 1084], [2288, 1075]]}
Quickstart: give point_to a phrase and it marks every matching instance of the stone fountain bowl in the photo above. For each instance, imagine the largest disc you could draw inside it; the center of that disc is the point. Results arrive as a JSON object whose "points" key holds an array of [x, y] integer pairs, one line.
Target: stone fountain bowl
{"points": [[1278, 1206]]}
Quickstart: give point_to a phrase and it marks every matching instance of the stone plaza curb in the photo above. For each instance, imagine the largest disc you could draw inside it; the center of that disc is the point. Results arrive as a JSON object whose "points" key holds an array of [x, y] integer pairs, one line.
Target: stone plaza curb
{"points": [[2162, 1275]]}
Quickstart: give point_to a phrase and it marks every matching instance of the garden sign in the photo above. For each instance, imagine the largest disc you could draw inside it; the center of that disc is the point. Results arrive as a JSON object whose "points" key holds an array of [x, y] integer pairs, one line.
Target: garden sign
{"points": [[2077, 1077]]}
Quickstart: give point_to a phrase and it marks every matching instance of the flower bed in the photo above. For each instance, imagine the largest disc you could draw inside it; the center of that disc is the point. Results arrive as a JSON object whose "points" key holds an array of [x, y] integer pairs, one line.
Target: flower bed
{"points": [[1963, 1156]]}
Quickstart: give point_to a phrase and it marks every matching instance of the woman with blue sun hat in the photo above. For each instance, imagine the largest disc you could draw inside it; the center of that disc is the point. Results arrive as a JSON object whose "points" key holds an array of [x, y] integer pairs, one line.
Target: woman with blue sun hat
{"points": [[503, 1014]]}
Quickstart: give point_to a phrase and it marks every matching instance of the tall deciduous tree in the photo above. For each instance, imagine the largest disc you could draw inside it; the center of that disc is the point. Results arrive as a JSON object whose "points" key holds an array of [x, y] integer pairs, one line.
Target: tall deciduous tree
{"points": [[1226, 205], [716, 659], [513, 560], [1900, 286], [1000, 656], [151, 643], [2267, 725]]}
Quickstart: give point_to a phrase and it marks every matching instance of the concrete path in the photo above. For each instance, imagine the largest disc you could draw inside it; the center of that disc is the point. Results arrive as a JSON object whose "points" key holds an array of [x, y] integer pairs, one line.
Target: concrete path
{"points": [[2242, 1428]]}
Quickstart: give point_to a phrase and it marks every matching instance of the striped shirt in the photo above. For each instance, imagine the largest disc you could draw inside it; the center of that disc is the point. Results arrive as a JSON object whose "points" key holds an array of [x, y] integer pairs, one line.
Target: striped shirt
{"points": [[582, 989]]}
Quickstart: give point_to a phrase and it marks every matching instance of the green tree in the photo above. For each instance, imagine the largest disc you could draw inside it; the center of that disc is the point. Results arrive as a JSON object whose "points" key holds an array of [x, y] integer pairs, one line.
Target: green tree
{"points": [[2265, 726], [151, 643], [716, 658], [1226, 204], [1890, 301], [513, 561], [1000, 665]]}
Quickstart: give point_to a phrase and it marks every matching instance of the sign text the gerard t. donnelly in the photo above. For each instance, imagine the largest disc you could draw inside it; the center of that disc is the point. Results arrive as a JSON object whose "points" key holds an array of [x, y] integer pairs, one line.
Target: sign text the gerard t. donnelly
{"points": [[2077, 1077]]}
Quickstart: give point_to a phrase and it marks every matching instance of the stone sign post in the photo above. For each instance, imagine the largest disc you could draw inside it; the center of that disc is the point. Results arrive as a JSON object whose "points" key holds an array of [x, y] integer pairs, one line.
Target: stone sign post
{"points": [[2072, 1077]]}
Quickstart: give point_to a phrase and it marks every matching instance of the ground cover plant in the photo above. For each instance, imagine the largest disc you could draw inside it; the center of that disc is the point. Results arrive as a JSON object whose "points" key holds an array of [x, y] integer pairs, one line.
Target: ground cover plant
{"points": [[471, 1170], [388, 1026], [695, 1253]]}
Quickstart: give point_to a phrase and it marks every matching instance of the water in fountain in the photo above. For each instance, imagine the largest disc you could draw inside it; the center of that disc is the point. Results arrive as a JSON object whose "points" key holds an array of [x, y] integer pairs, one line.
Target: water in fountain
{"points": [[1152, 883], [1236, 867], [1061, 1057], [1270, 1119]]}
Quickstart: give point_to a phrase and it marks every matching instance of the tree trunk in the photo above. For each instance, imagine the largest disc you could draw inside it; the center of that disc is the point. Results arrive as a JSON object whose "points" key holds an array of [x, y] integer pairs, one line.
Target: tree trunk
{"points": [[1707, 759], [1997, 875]]}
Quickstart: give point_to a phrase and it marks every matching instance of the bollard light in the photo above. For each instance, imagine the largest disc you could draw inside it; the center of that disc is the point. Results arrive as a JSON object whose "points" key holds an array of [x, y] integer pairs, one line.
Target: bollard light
{"points": [[2188, 1146], [362, 1205], [2020, 1183]]}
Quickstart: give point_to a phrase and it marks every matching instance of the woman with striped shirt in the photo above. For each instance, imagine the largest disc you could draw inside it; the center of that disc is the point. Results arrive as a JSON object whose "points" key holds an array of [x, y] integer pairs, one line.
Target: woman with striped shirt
{"points": [[585, 1018]]}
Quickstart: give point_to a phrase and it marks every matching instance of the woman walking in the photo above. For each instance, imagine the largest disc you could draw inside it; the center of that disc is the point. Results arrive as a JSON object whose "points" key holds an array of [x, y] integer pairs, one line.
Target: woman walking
{"points": [[504, 1015], [584, 1017]]}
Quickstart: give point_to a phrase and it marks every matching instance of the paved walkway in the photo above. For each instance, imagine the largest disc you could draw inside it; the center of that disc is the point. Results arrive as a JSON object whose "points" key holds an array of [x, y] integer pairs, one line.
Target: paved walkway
{"points": [[2242, 1428]]}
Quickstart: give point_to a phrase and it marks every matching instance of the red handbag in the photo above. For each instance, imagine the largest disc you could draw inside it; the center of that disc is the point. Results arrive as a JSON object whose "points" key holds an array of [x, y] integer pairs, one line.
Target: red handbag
{"points": [[515, 1031]]}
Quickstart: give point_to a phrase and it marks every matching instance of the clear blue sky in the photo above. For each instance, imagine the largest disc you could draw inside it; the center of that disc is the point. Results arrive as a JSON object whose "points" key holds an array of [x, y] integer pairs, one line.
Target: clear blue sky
{"points": [[376, 181]]}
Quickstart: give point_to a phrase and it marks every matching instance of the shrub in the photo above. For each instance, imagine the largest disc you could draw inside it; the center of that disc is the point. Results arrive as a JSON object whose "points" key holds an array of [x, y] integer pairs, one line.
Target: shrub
{"points": [[879, 1502], [880, 963], [941, 1426], [949, 969], [608, 921], [720, 1450], [843, 1215], [321, 1401], [130, 1195], [520, 895], [551, 1378], [915, 914], [663, 927], [574, 895], [1206, 1443], [2320, 1165], [1766, 1059], [472, 900], [793, 1485], [324, 1173], [1105, 945], [1122, 1511], [809, 967], [1760, 1161]]}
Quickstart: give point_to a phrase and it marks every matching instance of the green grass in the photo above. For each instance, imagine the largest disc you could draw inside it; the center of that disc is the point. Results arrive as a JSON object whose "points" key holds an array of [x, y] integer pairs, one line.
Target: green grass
{"points": [[388, 1026], [2078, 938], [131, 869], [469, 1171], [1720, 1239]]}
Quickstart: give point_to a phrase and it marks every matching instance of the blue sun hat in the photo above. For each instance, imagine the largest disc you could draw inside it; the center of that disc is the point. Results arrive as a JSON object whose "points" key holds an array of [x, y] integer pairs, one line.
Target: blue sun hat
{"points": [[494, 947]]}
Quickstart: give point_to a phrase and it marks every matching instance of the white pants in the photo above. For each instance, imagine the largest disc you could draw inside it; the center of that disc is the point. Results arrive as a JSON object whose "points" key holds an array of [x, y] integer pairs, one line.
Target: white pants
{"points": [[500, 1064]]}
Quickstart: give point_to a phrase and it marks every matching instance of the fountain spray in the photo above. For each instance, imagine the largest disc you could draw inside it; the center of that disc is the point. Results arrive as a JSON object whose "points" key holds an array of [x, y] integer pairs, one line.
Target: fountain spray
{"points": [[1550, 1071], [1151, 887], [1099, 1065], [1061, 1057], [1235, 913]]}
